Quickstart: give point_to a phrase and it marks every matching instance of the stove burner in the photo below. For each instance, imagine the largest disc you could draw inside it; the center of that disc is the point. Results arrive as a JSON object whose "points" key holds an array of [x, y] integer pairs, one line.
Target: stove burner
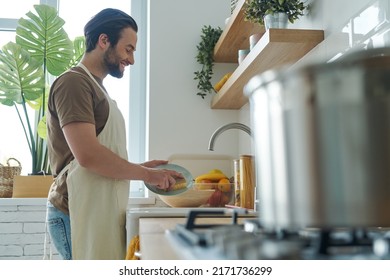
{"points": [[190, 231], [251, 241]]}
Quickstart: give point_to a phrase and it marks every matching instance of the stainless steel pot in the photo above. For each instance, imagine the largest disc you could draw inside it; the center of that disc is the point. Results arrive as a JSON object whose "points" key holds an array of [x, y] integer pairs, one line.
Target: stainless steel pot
{"points": [[322, 143]]}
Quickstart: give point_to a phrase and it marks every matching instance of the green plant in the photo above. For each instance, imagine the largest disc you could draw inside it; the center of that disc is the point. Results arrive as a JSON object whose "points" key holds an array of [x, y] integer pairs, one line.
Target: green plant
{"points": [[204, 57], [255, 10], [42, 51]]}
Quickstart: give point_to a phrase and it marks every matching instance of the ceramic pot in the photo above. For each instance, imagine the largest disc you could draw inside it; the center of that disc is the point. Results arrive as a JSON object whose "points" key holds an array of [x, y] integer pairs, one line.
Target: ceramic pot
{"points": [[276, 20], [242, 54], [253, 39]]}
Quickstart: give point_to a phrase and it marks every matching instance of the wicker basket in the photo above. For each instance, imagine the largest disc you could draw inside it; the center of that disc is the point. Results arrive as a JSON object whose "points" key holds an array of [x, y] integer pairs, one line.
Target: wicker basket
{"points": [[7, 174]]}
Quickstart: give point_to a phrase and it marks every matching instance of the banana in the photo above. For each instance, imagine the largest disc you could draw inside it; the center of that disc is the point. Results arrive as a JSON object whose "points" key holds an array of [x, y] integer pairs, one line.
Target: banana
{"points": [[180, 184], [221, 82], [215, 171], [212, 176]]}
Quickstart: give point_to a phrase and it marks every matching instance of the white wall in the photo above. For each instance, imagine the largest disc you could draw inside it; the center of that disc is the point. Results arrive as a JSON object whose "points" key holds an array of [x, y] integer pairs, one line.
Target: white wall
{"points": [[180, 121]]}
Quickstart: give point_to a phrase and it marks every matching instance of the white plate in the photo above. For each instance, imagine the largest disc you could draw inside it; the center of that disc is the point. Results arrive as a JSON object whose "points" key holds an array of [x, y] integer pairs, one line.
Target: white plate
{"points": [[186, 174]]}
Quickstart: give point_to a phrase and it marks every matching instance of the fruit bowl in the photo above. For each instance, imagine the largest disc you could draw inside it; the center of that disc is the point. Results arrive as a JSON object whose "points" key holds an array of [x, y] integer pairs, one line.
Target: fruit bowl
{"points": [[202, 195]]}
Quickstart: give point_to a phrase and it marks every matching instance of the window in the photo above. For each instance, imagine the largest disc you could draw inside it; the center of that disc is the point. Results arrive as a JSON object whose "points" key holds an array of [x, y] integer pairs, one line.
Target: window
{"points": [[16, 8], [12, 140], [14, 144]]}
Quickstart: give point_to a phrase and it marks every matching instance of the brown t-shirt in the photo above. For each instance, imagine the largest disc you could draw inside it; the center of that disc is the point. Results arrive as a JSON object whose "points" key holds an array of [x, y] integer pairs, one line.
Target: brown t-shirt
{"points": [[74, 97]]}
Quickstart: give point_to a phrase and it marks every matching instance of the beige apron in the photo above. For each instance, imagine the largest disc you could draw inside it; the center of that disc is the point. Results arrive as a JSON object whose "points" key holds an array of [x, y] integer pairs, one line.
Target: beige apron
{"points": [[97, 204]]}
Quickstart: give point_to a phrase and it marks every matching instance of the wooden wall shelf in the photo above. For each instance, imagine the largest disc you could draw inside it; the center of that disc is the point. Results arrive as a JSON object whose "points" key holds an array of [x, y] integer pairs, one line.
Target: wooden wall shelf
{"points": [[235, 36], [276, 48]]}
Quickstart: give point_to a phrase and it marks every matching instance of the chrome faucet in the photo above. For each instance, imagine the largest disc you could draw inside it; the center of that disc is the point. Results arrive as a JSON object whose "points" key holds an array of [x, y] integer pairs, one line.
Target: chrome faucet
{"points": [[225, 127]]}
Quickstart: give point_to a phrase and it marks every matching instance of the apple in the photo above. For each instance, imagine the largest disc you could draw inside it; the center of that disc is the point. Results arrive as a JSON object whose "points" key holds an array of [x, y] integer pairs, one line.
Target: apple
{"points": [[216, 199]]}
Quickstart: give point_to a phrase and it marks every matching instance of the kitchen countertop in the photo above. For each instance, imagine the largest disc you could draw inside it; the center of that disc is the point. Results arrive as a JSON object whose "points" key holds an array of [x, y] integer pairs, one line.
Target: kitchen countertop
{"points": [[154, 243], [134, 214]]}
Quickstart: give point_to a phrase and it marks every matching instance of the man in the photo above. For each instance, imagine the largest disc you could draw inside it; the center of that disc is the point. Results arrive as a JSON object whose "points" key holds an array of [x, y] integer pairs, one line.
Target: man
{"points": [[87, 147]]}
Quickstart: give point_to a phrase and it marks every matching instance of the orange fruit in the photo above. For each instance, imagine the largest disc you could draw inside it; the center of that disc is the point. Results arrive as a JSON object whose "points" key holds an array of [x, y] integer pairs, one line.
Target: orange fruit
{"points": [[224, 185]]}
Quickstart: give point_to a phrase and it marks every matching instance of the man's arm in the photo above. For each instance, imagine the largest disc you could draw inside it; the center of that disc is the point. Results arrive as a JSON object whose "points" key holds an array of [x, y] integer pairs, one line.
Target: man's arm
{"points": [[90, 154]]}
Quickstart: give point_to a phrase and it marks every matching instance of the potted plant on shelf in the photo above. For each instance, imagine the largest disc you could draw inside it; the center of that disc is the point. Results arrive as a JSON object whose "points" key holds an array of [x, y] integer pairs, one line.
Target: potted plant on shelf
{"points": [[274, 13], [41, 51], [205, 57]]}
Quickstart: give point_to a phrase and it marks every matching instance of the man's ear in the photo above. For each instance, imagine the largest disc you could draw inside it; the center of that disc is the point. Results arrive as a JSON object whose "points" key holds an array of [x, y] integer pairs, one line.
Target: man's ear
{"points": [[103, 40]]}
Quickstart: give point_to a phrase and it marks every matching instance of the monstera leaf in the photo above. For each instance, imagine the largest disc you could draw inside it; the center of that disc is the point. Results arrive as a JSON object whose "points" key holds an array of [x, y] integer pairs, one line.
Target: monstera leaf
{"points": [[45, 39], [42, 49], [78, 51], [21, 77]]}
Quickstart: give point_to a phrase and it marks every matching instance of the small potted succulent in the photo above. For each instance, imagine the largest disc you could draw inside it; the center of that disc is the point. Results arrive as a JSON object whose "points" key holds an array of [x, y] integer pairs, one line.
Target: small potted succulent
{"points": [[274, 13]]}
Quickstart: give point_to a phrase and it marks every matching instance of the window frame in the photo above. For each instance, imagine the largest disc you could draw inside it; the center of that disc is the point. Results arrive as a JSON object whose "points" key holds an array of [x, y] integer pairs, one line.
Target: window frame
{"points": [[138, 97]]}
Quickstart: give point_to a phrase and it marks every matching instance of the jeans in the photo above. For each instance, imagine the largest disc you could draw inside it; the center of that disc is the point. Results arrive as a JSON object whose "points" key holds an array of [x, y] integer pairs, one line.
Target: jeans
{"points": [[58, 224]]}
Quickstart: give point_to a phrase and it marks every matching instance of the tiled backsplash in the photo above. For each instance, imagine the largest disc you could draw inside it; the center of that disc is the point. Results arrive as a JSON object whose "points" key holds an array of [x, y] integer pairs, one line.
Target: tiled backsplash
{"points": [[22, 229], [348, 25]]}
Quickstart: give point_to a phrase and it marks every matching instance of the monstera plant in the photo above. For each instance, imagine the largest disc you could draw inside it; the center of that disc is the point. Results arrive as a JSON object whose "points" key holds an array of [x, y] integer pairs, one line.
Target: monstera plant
{"points": [[42, 50]]}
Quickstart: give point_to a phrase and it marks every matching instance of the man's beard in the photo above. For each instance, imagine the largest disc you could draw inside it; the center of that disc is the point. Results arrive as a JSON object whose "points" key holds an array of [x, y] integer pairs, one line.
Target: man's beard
{"points": [[112, 64]]}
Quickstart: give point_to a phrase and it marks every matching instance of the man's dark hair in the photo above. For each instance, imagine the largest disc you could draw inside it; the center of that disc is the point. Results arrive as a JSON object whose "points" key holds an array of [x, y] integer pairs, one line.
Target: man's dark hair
{"points": [[110, 22]]}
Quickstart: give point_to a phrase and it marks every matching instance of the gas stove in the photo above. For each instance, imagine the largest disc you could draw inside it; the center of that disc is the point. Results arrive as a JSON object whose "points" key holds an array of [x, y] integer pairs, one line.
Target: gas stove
{"points": [[250, 241]]}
